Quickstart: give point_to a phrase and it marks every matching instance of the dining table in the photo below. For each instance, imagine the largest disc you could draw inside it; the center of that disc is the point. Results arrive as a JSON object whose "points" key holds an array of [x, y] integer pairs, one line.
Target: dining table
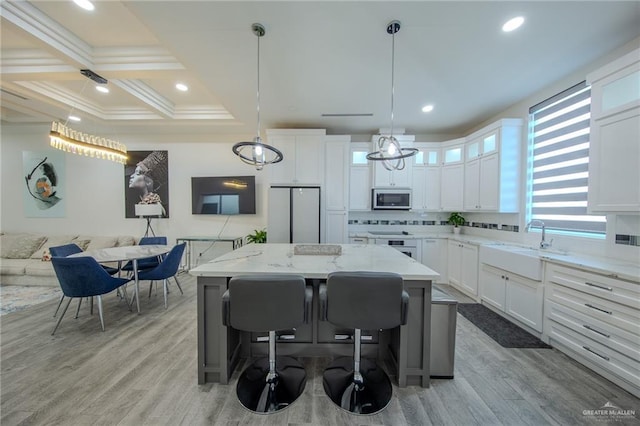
{"points": [[125, 254]]}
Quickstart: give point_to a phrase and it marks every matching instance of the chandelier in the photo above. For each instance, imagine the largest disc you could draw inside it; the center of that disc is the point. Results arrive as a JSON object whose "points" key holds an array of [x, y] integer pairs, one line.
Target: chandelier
{"points": [[256, 153], [389, 152], [69, 140]]}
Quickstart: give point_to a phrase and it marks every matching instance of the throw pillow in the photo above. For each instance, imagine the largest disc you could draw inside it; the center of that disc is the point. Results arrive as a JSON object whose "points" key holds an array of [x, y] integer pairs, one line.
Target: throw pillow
{"points": [[54, 241], [24, 247], [7, 240], [46, 256], [83, 244], [99, 242]]}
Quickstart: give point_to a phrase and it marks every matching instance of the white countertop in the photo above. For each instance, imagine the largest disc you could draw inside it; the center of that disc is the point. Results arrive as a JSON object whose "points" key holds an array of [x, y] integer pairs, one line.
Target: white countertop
{"points": [[279, 258], [602, 265]]}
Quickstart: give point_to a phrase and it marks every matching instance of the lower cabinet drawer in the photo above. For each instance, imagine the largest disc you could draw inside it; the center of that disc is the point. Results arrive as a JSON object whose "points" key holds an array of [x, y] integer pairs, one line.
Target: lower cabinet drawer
{"points": [[616, 314], [613, 337], [622, 366], [600, 286]]}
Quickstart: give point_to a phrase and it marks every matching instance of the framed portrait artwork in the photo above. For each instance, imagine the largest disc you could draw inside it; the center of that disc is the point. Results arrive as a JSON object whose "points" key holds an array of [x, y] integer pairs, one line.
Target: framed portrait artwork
{"points": [[44, 182], [146, 181]]}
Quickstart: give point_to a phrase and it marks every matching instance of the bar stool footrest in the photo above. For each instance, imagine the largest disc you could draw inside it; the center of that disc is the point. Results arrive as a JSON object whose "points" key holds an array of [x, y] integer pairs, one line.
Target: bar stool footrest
{"points": [[369, 398], [259, 396]]}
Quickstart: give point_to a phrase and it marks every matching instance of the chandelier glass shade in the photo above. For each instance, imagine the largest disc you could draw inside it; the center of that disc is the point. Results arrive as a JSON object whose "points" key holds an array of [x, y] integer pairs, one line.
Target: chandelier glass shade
{"points": [[256, 153], [389, 151], [69, 140]]}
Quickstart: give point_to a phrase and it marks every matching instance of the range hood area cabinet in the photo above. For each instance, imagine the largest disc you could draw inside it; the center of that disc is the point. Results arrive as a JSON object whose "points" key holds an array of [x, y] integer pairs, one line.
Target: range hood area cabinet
{"points": [[492, 168], [614, 151]]}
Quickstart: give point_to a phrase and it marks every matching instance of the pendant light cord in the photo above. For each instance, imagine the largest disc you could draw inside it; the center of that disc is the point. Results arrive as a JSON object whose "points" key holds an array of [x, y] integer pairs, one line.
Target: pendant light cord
{"points": [[258, 91], [393, 60]]}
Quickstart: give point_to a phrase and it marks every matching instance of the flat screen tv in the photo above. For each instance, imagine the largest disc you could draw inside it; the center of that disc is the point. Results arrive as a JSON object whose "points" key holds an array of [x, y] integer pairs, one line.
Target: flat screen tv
{"points": [[225, 195]]}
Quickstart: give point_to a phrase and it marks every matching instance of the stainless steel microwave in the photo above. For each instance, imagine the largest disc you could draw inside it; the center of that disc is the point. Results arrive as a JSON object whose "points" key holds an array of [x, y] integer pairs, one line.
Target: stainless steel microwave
{"points": [[391, 199]]}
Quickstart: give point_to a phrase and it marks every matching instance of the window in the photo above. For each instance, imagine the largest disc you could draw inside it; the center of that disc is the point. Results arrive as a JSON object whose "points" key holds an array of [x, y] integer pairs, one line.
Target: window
{"points": [[559, 164]]}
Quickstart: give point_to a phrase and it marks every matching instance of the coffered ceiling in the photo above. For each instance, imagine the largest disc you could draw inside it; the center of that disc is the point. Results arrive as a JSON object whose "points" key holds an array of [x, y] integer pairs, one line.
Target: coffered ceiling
{"points": [[331, 57]]}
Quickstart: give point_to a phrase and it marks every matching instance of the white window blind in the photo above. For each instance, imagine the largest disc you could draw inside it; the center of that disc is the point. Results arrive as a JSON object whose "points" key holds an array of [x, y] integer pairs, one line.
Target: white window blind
{"points": [[559, 164]]}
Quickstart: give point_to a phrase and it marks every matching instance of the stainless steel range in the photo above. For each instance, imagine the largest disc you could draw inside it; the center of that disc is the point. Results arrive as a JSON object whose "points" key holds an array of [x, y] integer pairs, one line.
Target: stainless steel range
{"points": [[395, 239]]}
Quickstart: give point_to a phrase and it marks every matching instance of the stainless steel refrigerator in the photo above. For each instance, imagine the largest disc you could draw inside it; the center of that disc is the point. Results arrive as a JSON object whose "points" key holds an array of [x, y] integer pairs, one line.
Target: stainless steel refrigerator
{"points": [[294, 214]]}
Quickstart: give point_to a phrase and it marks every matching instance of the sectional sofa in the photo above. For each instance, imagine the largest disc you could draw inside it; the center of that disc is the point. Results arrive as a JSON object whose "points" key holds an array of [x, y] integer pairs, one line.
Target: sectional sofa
{"points": [[25, 259]]}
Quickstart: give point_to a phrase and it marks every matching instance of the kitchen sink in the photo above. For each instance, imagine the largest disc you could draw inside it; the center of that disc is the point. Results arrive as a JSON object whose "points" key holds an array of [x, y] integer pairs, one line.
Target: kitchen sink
{"points": [[523, 261]]}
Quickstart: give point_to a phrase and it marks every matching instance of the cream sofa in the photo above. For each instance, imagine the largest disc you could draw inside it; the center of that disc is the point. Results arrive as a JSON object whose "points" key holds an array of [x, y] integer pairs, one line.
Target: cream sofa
{"points": [[24, 260]]}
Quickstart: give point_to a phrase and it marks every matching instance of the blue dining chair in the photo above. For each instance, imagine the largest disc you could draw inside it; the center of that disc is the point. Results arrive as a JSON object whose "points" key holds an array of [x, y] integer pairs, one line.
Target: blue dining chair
{"points": [[67, 250], [166, 269], [84, 277], [148, 262]]}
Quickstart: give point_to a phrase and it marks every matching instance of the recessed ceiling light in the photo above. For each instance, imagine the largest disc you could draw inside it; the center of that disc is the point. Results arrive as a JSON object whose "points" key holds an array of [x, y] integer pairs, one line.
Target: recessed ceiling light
{"points": [[85, 4], [182, 87], [427, 108], [103, 89], [512, 24], [74, 118]]}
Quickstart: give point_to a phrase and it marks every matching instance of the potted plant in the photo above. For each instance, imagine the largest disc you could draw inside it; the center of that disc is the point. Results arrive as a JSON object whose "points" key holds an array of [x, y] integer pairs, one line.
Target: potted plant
{"points": [[257, 237], [457, 220]]}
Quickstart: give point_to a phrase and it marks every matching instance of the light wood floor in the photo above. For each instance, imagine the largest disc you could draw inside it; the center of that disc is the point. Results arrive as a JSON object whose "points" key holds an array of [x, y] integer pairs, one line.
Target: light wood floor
{"points": [[142, 370]]}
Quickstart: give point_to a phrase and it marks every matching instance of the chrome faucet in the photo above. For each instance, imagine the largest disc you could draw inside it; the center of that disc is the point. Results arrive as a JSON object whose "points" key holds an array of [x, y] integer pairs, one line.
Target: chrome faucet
{"points": [[543, 244]]}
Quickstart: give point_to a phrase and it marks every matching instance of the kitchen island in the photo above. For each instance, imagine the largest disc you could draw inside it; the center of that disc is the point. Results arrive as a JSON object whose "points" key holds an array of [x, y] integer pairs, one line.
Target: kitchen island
{"points": [[406, 347]]}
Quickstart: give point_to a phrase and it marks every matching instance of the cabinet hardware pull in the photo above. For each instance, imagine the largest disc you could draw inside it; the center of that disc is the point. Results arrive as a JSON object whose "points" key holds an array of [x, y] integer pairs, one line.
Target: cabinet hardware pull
{"points": [[599, 286], [588, 327], [606, 358], [597, 309], [262, 339]]}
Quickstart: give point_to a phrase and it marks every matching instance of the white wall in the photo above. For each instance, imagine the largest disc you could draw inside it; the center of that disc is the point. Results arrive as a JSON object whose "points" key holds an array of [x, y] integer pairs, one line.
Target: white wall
{"points": [[95, 188]]}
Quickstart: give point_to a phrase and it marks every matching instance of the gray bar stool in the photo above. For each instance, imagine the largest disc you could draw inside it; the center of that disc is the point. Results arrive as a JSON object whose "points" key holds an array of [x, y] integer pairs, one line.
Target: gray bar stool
{"points": [[361, 300], [268, 304]]}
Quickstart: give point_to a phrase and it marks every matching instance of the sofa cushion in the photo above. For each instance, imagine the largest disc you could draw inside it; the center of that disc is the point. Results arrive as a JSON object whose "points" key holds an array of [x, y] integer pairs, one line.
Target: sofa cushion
{"points": [[7, 240], [40, 269], [24, 247], [126, 240], [99, 242], [53, 241], [14, 266]]}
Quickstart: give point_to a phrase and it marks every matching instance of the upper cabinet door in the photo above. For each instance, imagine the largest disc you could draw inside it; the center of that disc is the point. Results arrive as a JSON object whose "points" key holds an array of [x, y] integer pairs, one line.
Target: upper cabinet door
{"points": [[303, 152], [614, 151]]}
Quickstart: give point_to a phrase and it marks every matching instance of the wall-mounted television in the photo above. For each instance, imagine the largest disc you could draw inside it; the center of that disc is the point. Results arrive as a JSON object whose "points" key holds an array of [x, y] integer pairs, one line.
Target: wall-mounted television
{"points": [[225, 195]]}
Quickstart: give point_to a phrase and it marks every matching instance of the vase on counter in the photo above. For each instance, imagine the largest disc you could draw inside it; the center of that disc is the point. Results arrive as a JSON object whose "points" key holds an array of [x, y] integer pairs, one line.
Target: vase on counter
{"points": [[456, 230]]}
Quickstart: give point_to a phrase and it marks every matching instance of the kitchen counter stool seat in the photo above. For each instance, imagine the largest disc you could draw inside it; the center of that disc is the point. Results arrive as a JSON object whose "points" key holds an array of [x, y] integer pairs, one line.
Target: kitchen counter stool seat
{"points": [[268, 304], [347, 300]]}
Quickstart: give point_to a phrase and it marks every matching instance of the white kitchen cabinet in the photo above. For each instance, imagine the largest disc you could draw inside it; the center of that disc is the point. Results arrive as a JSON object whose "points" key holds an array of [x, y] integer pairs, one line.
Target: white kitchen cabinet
{"points": [[595, 319], [336, 228], [337, 172], [462, 262], [426, 178], [393, 178], [491, 175], [492, 287], [614, 151], [304, 155], [434, 255], [520, 298], [452, 176], [359, 177], [336, 188]]}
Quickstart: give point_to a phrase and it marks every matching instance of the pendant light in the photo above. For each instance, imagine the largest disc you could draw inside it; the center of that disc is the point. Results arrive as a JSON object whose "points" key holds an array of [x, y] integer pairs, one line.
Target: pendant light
{"points": [[256, 153], [389, 151]]}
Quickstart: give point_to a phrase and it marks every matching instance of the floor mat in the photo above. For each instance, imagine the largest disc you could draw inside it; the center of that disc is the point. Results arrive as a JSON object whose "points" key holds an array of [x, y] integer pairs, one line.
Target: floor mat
{"points": [[14, 298], [507, 334]]}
